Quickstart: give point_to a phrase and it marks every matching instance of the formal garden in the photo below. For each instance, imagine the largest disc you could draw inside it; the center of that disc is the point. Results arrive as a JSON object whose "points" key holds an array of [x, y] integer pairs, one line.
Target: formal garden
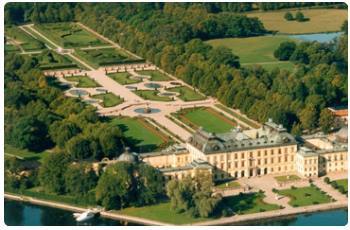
{"points": [[22, 39], [105, 56], [187, 94], [124, 78], [304, 196], [108, 99], [83, 81], [152, 95], [155, 75], [207, 118], [69, 35], [49, 59], [140, 135]]}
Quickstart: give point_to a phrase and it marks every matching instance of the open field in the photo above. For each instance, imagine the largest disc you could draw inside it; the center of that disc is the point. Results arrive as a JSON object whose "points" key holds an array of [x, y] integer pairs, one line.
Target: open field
{"points": [[69, 35], [161, 212], [51, 60], [109, 99], [24, 154], [187, 94], [321, 20], [237, 116], [11, 48], [305, 196], [83, 81], [27, 42], [228, 184], [246, 203], [151, 95], [207, 118], [256, 50], [140, 135], [104, 57], [155, 75], [123, 78]]}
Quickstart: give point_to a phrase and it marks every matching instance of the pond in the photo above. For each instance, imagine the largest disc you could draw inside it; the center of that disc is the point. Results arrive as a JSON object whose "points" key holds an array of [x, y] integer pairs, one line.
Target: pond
{"points": [[78, 92], [152, 85], [321, 37], [146, 110]]}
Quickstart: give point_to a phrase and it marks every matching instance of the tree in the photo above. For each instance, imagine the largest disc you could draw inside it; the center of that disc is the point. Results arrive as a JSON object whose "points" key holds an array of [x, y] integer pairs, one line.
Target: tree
{"points": [[78, 148], [29, 133], [299, 16], [80, 179], [51, 173], [193, 195], [308, 118], [326, 120], [284, 51], [344, 27], [115, 188], [111, 141], [288, 16], [62, 131]]}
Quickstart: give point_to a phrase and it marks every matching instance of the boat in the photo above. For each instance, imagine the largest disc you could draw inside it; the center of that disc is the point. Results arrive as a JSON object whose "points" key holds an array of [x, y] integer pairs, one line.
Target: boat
{"points": [[87, 215]]}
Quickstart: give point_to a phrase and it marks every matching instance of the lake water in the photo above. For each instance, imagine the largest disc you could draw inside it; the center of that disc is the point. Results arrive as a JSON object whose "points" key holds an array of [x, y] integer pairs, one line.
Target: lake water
{"points": [[322, 37], [25, 214]]}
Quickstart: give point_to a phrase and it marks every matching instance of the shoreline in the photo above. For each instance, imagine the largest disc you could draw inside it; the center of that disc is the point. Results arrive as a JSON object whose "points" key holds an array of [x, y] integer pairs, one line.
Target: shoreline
{"points": [[236, 220]]}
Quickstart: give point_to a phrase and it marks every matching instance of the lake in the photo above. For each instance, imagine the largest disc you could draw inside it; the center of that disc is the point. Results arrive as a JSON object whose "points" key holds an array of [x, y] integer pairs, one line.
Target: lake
{"points": [[24, 214], [321, 37]]}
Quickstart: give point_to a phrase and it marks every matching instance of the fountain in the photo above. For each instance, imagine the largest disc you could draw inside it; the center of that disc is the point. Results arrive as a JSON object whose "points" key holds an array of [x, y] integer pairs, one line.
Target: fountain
{"points": [[147, 110], [152, 85], [78, 92]]}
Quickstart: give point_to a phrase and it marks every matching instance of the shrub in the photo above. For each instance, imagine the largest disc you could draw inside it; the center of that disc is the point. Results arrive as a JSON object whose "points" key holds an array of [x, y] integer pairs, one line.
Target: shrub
{"points": [[342, 190], [293, 187], [288, 16], [262, 210], [327, 180], [334, 184], [315, 202], [275, 190]]}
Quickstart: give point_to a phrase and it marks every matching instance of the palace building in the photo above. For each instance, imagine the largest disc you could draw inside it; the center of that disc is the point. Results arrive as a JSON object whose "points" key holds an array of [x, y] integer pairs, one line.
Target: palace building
{"points": [[269, 149]]}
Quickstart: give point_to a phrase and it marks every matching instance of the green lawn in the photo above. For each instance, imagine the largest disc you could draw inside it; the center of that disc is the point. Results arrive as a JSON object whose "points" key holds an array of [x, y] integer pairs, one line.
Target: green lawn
{"points": [[287, 178], [305, 196], [109, 99], [187, 94], [155, 75], [246, 203], [11, 48], [27, 42], [229, 184], [124, 78], [24, 154], [83, 81], [141, 136], [343, 183], [161, 212], [151, 95], [285, 65], [321, 20], [207, 118], [237, 116], [69, 35]]}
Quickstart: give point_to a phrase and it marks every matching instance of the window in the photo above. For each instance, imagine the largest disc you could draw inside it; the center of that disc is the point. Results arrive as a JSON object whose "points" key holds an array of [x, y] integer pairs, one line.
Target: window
{"points": [[236, 164], [265, 152], [222, 165], [229, 157], [229, 165], [279, 151], [271, 152], [258, 153], [242, 164], [265, 161], [236, 155], [250, 154], [242, 155], [271, 160], [285, 150], [221, 157], [258, 161], [286, 158], [279, 159]]}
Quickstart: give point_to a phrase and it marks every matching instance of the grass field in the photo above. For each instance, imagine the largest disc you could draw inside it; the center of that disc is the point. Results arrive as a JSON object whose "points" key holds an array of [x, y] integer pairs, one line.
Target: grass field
{"points": [[69, 35], [305, 196], [109, 99], [11, 48], [160, 212], [343, 183], [256, 50], [103, 57], [151, 95], [207, 118], [237, 116], [321, 20], [27, 42], [124, 78], [246, 203], [287, 178], [155, 75], [187, 94], [141, 136], [24, 154], [83, 81], [229, 184]]}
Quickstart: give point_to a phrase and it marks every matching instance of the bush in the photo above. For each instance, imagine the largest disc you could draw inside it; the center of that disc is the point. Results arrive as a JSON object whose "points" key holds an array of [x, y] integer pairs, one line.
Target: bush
{"points": [[341, 190], [299, 16], [327, 180], [315, 202], [275, 190], [288, 16], [262, 210], [293, 187], [334, 184], [284, 51]]}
